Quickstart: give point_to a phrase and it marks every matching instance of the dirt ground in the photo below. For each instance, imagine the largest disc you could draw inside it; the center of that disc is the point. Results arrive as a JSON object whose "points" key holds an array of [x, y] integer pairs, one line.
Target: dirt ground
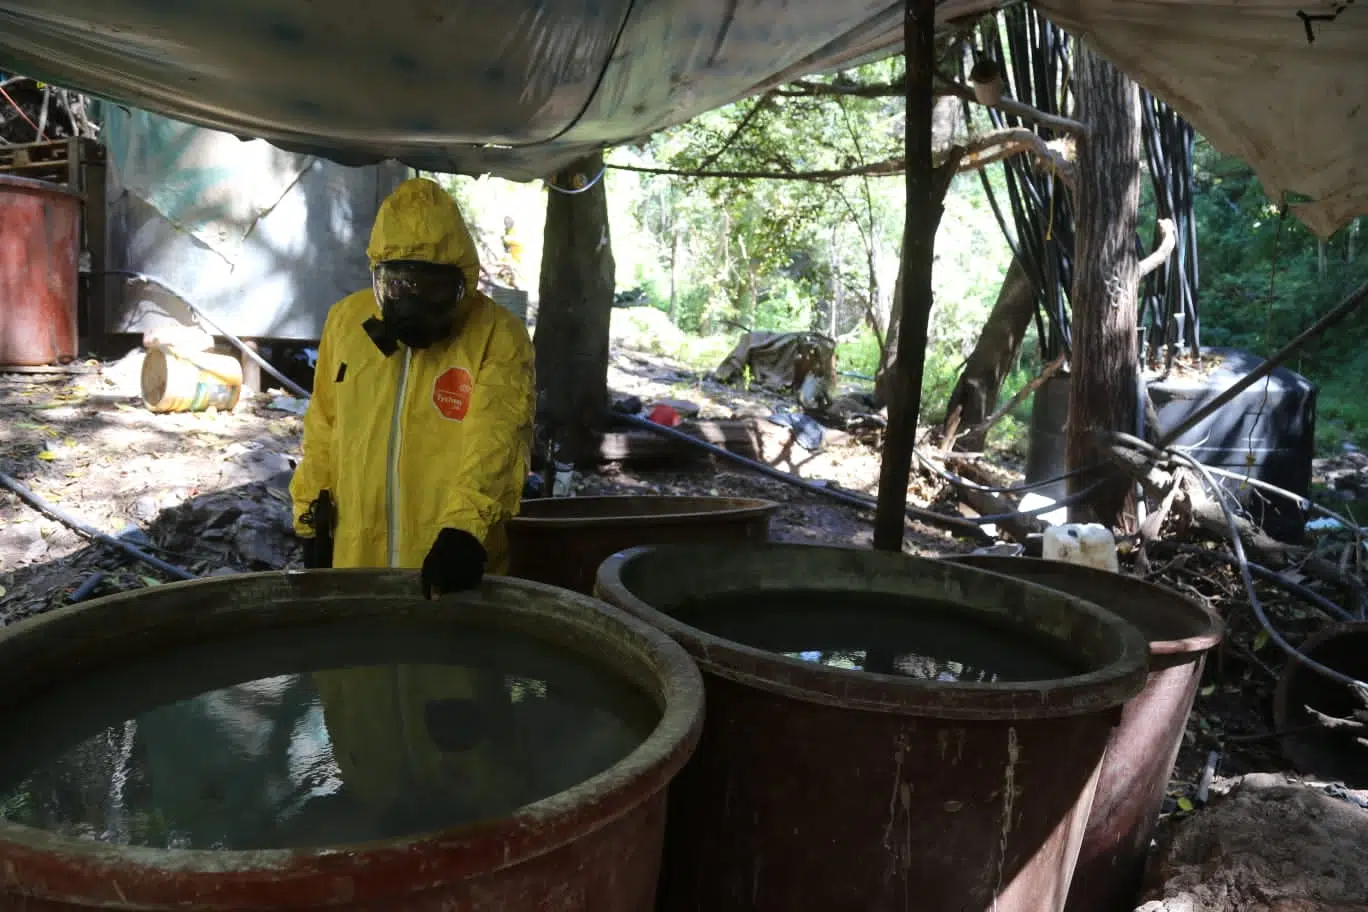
{"points": [[208, 492]]}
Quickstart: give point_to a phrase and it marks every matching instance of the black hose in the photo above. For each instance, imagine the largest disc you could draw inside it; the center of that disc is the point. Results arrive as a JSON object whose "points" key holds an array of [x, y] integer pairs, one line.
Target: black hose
{"points": [[862, 501], [1219, 492], [87, 586], [1308, 595], [42, 506], [1341, 310], [961, 482]]}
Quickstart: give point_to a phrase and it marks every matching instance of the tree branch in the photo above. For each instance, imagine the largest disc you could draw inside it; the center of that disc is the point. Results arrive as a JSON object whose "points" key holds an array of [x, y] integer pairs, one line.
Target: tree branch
{"points": [[1045, 374], [887, 167], [740, 128], [1018, 109], [802, 89], [969, 155], [1000, 144], [1167, 241]]}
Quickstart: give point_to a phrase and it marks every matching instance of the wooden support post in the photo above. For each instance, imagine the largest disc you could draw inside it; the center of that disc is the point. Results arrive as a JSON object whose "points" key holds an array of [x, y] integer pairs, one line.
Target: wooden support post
{"points": [[576, 305], [251, 371], [1105, 365], [95, 232], [913, 305]]}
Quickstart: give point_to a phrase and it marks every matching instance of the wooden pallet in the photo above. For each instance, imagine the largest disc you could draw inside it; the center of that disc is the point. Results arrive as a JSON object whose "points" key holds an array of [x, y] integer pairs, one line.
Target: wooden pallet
{"points": [[58, 161]]}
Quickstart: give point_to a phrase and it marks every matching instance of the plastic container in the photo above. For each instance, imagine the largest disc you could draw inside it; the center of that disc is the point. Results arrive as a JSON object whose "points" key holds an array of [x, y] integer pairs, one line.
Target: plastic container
{"points": [[1084, 544], [1268, 432], [40, 242], [177, 380], [1144, 747], [820, 788], [562, 541], [593, 847]]}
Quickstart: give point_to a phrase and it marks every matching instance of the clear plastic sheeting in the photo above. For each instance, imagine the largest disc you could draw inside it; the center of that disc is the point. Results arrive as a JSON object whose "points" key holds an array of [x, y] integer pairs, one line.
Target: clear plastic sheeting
{"points": [[1282, 84], [517, 88]]}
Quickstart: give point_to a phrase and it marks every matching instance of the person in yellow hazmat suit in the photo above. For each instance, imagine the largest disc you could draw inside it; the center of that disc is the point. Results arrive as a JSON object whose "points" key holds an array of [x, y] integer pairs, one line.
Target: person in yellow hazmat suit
{"points": [[419, 435]]}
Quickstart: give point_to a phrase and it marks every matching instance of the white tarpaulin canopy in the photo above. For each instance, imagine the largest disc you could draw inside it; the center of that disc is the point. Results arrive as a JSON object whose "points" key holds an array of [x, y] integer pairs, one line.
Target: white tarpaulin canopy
{"points": [[1248, 77], [522, 87]]}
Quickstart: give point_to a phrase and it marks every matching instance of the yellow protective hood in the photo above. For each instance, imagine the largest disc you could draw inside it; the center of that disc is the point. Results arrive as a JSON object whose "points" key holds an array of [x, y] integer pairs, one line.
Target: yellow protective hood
{"points": [[420, 221]]}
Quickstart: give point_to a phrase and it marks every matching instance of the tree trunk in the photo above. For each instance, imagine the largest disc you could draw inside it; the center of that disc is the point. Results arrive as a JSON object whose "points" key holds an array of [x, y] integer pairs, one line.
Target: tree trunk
{"points": [[925, 203], [576, 292], [674, 275], [976, 391], [888, 355], [1104, 364]]}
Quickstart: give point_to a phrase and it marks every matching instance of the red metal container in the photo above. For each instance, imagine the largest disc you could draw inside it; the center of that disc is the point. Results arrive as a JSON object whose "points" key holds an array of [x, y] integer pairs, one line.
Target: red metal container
{"points": [[594, 847], [1143, 748], [817, 788], [40, 241], [562, 540]]}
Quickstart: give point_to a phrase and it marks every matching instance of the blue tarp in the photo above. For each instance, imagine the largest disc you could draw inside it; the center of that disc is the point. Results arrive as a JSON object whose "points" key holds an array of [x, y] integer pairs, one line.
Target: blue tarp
{"points": [[516, 88]]}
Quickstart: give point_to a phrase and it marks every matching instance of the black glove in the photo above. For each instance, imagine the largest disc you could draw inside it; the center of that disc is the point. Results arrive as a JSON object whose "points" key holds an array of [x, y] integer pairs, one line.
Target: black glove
{"points": [[456, 562], [314, 558], [318, 548]]}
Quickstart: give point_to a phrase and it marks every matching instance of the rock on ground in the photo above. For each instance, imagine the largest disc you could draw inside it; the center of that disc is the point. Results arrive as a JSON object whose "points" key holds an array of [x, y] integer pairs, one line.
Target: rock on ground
{"points": [[1268, 846]]}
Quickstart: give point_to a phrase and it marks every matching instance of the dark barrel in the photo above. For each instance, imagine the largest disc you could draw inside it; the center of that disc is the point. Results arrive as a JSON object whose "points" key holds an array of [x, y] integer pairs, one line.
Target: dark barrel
{"points": [[590, 846], [1316, 749], [1144, 747], [562, 540], [818, 787]]}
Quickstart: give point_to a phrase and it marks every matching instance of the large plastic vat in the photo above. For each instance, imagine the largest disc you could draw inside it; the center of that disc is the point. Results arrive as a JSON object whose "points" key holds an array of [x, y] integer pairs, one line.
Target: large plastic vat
{"points": [[819, 788], [1267, 432], [1143, 748], [593, 847], [1336, 754], [40, 241], [562, 540]]}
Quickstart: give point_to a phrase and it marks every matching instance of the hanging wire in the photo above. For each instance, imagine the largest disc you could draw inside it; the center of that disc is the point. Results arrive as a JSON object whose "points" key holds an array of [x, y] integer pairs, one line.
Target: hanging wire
{"points": [[577, 190]]}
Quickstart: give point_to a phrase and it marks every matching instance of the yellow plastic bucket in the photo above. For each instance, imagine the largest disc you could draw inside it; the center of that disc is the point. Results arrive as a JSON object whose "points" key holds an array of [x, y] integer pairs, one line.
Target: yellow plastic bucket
{"points": [[174, 380]]}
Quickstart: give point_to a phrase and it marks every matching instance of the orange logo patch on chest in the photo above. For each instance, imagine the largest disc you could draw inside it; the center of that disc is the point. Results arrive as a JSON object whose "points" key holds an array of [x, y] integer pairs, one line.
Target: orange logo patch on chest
{"points": [[451, 393]]}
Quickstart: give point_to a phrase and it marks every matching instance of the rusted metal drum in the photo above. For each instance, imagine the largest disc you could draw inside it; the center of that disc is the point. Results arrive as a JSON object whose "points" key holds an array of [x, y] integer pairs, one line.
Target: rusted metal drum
{"points": [[1313, 748], [817, 787], [591, 847], [1144, 747], [40, 242], [562, 540]]}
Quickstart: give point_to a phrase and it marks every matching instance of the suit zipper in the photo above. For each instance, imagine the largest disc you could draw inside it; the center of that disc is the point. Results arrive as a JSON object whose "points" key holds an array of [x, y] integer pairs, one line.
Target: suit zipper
{"points": [[392, 476]]}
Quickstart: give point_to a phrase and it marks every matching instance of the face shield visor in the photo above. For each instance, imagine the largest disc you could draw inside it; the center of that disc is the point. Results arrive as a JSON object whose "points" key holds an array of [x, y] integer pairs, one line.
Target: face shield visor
{"points": [[419, 302]]}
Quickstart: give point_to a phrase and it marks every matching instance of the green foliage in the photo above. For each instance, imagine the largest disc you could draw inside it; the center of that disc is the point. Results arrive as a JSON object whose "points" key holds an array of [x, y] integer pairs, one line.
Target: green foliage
{"points": [[1265, 277]]}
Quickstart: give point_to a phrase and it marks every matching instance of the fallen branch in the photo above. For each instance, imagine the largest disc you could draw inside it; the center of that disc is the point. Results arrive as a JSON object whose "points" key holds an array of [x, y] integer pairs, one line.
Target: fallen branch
{"points": [[1013, 524], [1207, 513], [1045, 374], [1355, 721]]}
